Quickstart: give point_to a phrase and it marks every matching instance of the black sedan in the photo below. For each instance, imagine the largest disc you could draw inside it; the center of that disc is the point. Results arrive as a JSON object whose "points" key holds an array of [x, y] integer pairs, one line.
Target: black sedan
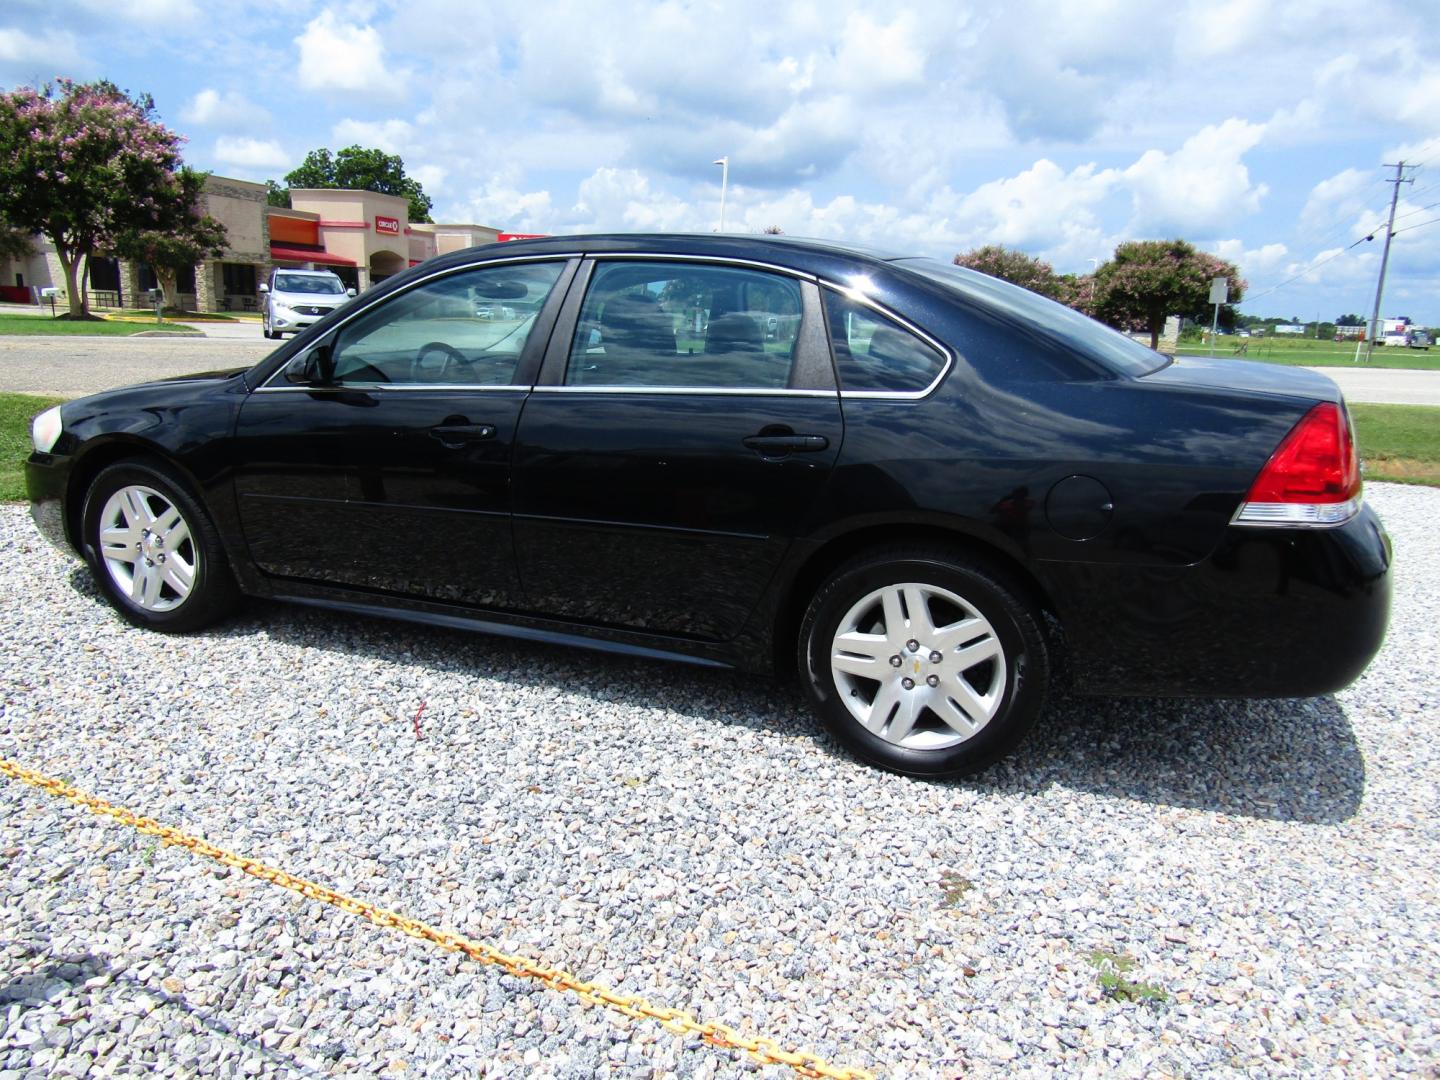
{"points": [[925, 490]]}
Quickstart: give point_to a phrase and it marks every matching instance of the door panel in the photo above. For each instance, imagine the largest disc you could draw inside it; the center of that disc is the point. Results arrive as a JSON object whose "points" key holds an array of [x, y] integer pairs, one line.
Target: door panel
{"points": [[642, 496], [398, 506], [649, 511], [394, 475]]}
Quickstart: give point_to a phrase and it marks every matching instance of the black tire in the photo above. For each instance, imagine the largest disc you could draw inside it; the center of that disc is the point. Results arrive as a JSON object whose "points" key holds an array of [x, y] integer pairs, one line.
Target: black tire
{"points": [[1017, 679], [212, 593]]}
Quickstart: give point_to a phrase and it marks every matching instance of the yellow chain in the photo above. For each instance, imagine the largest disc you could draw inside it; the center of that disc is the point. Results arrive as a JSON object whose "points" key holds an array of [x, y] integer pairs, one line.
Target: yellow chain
{"points": [[675, 1021]]}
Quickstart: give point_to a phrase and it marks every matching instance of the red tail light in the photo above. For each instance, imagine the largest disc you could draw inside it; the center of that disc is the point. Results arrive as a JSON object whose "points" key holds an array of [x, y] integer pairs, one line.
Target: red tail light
{"points": [[1313, 478]]}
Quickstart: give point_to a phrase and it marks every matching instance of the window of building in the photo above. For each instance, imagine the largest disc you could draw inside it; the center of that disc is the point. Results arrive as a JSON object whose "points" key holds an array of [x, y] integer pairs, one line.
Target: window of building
{"points": [[873, 353], [239, 279], [685, 325]]}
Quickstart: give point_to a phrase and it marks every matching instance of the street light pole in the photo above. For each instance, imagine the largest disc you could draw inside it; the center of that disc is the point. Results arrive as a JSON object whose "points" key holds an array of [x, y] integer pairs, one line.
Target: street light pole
{"points": [[724, 164]]}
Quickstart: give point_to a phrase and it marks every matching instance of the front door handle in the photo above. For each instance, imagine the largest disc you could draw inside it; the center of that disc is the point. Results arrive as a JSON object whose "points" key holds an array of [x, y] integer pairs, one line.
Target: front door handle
{"points": [[786, 444], [457, 435]]}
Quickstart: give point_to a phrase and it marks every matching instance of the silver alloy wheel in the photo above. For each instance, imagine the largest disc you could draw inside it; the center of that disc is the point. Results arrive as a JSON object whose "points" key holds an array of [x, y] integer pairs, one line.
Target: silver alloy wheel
{"points": [[918, 666], [147, 548]]}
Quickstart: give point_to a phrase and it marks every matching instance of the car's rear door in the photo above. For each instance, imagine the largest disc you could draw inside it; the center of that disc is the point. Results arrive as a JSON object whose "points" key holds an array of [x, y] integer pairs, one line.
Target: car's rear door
{"points": [[684, 423], [395, 475]]}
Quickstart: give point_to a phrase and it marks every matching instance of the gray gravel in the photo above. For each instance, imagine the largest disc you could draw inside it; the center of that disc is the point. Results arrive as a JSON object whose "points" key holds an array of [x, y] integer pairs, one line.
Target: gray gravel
{"points": [[1268, 867]]}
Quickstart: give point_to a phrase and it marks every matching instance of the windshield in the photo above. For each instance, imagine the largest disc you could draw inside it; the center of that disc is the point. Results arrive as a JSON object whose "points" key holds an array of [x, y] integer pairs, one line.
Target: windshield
{"points": [[1095, 340], [306, 283]]}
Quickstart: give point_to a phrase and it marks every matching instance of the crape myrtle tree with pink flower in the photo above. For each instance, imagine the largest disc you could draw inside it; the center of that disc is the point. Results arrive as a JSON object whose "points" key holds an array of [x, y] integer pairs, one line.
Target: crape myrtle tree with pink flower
{"points": [[91, 168], [1141, 284]]}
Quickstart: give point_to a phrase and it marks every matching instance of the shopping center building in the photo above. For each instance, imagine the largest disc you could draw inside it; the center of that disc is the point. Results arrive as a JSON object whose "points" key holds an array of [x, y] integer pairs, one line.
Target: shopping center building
{"points": [[363, 236]]}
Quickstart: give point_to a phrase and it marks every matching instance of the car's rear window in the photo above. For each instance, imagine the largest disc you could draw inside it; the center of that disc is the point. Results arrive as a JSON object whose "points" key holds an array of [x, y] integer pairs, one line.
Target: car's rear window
{"points": [[1094, 340]]}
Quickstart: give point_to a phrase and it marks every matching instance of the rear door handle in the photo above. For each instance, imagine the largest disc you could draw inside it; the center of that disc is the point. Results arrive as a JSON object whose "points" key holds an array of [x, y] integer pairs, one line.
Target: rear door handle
{"points": [[782, 444], [455, 435]]}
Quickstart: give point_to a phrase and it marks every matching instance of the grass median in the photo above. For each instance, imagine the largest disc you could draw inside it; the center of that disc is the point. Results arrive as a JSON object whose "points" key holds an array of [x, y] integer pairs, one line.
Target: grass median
{"points": [[1399, 442], [1307, 352], [44, 325], [16, 411]]}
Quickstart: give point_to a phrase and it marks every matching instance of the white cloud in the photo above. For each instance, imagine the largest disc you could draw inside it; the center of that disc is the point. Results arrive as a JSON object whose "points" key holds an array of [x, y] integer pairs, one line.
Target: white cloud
{"points": [[1201, 188], [392, 136], [34, 58], [228, 111], [336, 56], [251, 153], [498, 204]]}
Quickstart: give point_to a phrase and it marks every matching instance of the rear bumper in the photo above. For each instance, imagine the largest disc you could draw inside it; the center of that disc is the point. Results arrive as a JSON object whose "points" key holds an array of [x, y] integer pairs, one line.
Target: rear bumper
{"points": [[1271, 613]]}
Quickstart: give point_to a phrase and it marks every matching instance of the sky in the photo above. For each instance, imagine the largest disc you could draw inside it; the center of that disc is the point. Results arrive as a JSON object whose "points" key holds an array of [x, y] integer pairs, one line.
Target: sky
{"points": [[1257, 130]]}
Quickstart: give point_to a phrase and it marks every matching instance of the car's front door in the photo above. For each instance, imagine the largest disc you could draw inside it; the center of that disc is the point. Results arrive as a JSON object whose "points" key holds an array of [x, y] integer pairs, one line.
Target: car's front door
{"points": [[393, 473], [675, 445]]}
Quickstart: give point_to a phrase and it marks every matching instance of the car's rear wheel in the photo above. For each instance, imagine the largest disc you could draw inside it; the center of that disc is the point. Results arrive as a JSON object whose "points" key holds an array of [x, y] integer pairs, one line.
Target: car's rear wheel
{"points": [[154, 552], [924, 661]]}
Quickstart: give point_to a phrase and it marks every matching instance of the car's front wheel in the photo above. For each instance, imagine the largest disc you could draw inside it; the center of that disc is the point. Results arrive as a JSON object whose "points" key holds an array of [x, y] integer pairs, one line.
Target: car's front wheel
{"points": [[924, 661], [155, 554]]}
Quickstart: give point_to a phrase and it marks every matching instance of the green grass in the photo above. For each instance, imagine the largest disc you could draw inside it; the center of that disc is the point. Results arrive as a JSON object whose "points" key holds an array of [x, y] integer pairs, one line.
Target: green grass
{"points": [[173, 315], [45, 325], [1307, 352], [16, 411], [1399, 442], [1112, 970]]}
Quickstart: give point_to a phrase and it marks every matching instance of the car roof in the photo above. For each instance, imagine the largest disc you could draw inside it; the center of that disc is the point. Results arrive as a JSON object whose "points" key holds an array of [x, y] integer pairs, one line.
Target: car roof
{"points": [[816, 256]]}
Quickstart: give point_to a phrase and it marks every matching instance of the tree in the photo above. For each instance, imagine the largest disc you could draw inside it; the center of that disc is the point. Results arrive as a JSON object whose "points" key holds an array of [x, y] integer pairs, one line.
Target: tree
{"points": [[1351, 320], [82, 166], [773, 230], [1013, 266], [275, 195], [1147, 280], [184, 236], [14, 243], [357, 168]]}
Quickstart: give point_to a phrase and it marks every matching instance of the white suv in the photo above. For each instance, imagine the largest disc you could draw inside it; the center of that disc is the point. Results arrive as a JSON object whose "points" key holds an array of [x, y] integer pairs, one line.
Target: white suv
{"points": [[293, 299]]}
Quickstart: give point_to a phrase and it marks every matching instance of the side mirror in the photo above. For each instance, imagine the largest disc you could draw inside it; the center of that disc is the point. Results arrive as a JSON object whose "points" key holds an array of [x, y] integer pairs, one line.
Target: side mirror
{"points": [[311, 368], [264, 288], [350, 292]]}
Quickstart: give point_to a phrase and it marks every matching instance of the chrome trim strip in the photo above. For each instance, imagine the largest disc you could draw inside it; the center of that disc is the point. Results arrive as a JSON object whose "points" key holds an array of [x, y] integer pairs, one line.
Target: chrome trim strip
{"points": [[497, 261], [1296, 515], [395, 387], [706, 391], [790, 271]]}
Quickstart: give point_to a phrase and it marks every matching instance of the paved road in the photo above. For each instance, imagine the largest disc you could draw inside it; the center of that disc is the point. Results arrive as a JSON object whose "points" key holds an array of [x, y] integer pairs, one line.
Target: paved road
{"points": [[1386, 385], [74, 366]]}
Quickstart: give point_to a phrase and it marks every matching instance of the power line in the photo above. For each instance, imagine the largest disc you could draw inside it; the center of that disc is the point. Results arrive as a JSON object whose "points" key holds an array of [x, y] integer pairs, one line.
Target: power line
{"points": [[1311, 267], [1423, 223]]}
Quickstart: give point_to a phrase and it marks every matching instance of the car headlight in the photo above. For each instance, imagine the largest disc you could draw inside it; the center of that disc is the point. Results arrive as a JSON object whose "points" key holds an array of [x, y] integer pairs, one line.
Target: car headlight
{"points": [[285, 311], [45, 430]]}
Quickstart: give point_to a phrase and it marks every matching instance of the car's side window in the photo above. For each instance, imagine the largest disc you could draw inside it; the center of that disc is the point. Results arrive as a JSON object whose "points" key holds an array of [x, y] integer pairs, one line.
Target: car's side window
{"points": [[467, 328], [685, 325], [874, 353]]}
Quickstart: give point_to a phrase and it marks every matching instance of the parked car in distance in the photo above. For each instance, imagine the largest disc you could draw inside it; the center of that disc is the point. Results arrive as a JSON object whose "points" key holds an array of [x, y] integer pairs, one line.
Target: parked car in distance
{"points": [[1419, 339], [294, 299], [934, 495]]}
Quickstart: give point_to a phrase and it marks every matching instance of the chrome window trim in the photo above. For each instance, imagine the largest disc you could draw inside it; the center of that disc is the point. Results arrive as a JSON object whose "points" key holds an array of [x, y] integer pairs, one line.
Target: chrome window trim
{"points": [[709, 391], [497, 261], [403, 388], [729, 260], [892, 395]]}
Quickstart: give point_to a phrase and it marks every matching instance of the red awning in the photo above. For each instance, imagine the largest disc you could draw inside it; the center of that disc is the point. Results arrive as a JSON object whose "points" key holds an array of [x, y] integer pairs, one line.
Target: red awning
{"points": [[291, 254]]}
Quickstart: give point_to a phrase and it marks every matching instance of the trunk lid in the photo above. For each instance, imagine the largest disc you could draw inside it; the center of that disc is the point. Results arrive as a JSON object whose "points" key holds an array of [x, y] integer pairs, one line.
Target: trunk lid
{"points": [[1249, 376]]}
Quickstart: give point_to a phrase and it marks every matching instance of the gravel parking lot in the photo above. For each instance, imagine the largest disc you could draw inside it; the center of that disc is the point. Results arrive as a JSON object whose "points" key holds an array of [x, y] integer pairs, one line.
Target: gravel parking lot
{"points": [[1259, 875]]}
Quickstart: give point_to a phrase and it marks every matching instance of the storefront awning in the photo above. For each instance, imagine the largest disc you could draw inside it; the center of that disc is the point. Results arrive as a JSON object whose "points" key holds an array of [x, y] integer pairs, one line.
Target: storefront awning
{"points": [[290, 254]]}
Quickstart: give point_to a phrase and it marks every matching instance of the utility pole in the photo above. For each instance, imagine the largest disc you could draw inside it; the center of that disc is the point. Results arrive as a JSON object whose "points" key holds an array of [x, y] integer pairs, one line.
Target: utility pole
{"points": [[1400, 178]]}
